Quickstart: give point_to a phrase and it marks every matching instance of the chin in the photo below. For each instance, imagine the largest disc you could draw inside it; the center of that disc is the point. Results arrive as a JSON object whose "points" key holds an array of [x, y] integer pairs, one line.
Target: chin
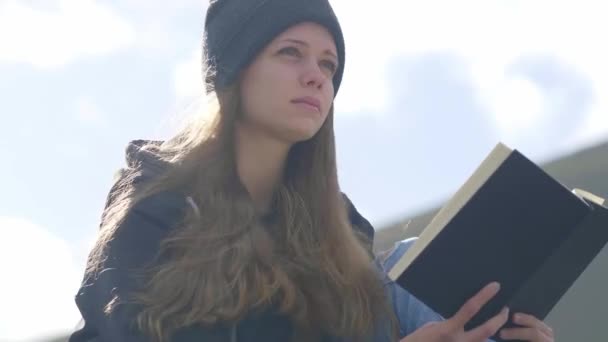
{"points": [[295, 135]]}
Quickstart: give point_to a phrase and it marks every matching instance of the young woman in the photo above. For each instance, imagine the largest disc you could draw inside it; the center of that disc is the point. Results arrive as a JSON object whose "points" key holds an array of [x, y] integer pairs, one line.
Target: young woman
{"points": [[236, 229]]}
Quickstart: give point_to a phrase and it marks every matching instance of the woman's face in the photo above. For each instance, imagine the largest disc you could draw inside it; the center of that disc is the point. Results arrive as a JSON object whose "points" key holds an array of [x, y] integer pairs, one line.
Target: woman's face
{"points": [[287, 91]]}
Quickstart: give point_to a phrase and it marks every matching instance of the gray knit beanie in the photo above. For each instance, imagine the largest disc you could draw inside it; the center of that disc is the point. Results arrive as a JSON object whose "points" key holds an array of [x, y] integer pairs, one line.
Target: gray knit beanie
{"points": [[237, 30]]}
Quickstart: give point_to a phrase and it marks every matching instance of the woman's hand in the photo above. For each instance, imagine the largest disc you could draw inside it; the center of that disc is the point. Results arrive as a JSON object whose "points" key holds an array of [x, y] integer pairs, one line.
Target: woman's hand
{"points": [[532, 329], [452, 329]]}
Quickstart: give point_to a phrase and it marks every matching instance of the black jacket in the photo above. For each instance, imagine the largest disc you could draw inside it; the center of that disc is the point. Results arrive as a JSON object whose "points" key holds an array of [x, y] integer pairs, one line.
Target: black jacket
{"points": [[135, 245]]}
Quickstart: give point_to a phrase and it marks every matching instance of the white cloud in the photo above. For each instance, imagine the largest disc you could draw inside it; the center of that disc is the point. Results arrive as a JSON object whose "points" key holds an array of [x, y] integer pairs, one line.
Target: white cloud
{"points": [[517, 106], [190, 98], [88, 113], [70, 150], [161, 25], [49, 39], [37, 291], [172, 7], [363, 88], [594, 129], [188, 79], [488, 35]]}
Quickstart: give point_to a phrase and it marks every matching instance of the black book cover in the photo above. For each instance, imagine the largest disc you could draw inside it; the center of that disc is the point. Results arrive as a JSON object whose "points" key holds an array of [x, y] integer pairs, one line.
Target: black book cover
{"points": [[512, 223]]}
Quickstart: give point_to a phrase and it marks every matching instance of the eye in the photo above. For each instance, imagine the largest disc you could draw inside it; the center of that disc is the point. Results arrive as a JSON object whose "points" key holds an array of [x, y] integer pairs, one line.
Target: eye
{"points": [[290, 50], [330, 65]]}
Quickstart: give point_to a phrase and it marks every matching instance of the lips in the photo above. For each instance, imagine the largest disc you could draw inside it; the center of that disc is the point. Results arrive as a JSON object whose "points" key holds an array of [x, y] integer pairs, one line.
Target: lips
{"points": [[311, 101]]}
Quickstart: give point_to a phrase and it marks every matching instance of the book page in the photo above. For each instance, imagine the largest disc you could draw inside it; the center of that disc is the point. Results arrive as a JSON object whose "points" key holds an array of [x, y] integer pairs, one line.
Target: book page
{"points": [[589, 196]]}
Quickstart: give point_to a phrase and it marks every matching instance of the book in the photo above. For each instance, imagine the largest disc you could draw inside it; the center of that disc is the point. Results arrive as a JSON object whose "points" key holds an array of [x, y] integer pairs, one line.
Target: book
{"points": [[510, 222]]}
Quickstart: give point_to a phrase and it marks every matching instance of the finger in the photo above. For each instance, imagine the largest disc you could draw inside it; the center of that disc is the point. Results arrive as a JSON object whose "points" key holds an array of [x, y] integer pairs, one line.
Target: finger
{"points": [[532, 322], [489, 328], [525, 334], [473, 305]]}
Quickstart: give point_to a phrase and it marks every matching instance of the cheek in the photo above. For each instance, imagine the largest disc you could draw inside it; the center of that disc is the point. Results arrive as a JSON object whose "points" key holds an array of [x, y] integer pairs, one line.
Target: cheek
{"points": [[258, 100], [264, 89], [329, 96], [252, 105]]}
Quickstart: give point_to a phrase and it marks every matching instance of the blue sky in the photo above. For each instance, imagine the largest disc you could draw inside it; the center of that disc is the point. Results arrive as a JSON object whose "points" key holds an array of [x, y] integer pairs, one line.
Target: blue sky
{"points": [[430, 87]]}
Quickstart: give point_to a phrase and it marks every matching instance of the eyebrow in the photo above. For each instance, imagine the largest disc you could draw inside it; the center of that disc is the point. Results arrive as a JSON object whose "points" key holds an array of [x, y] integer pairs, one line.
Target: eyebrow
{"points": [[301, 42]]}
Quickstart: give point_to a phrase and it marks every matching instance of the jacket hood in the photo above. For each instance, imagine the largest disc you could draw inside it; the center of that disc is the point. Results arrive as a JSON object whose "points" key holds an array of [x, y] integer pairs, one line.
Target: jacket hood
{"points": [[139, 157], [150, 165]]}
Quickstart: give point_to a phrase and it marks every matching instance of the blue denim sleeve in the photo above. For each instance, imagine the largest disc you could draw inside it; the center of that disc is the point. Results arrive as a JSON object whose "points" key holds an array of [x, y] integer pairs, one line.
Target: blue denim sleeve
{"points": [[410, 311]]}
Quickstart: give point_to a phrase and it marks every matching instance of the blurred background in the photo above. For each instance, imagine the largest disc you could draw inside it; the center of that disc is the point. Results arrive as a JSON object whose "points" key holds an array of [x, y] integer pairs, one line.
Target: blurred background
{"points": [[430, 87]]}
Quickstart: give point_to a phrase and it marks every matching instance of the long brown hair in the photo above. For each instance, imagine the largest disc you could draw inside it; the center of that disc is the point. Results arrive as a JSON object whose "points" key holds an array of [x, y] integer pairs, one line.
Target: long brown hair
{"points": [[222, 261]]}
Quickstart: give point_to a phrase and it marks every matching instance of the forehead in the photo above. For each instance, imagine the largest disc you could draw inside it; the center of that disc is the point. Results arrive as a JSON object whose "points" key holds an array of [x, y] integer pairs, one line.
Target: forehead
{"points": [[311, 33]]}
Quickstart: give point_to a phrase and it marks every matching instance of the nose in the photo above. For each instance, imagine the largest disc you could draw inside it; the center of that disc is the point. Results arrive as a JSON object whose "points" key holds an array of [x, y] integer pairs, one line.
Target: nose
{"points": [[313, 76]]}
